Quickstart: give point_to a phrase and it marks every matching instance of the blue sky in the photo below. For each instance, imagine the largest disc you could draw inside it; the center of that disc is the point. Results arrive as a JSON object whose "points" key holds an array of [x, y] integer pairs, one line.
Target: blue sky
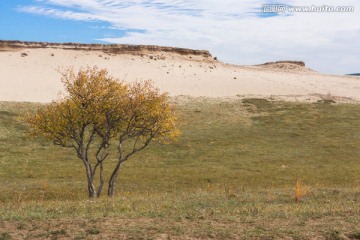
{"points": [[234, 31], [18, 25]]}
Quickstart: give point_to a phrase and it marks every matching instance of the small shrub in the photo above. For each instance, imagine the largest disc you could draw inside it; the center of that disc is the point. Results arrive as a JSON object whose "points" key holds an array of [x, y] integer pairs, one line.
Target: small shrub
{"points": [[326, 101], [59, 232], [228, 193], [334, 235], [5, 236], [93, 231], [355, 236], [80, 237], [300, 191]]}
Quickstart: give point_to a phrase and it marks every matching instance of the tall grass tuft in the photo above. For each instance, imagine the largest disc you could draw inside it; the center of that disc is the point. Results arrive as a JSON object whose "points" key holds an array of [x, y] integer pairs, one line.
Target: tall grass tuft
{"points": [[300, 190]]}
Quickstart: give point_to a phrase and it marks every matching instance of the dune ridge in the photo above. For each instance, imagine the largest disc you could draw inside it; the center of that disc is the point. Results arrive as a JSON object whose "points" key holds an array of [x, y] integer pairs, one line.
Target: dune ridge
{"points": [[106, 48], [294, 66], [30, 72]]}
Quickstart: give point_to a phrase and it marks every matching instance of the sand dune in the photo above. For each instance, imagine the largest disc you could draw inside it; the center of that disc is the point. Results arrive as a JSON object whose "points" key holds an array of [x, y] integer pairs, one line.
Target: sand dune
{"points": [[29, 73]]}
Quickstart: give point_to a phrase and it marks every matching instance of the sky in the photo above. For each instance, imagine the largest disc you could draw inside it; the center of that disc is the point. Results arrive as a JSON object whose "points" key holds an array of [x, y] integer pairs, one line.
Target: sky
{"points": [[235, 31]]}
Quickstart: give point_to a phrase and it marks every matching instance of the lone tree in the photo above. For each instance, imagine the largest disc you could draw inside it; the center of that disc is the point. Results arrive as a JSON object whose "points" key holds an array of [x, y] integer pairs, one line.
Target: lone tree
{"points": [[99, 111]]}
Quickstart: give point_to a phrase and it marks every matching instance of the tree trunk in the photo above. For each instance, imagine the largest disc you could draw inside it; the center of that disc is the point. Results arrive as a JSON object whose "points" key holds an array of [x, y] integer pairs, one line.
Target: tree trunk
{"points": [[101, 180], [112, 181], [91, 189], [90, 178]]}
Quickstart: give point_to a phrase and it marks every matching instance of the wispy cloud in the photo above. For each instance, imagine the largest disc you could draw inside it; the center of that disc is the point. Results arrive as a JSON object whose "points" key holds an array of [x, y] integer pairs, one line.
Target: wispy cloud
{"points": [[234, 30]]}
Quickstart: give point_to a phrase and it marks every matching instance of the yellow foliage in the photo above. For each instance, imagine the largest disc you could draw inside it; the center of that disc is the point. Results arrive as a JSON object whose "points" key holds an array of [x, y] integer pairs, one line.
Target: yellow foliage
{"points": [[101, 103], [97, 106]]}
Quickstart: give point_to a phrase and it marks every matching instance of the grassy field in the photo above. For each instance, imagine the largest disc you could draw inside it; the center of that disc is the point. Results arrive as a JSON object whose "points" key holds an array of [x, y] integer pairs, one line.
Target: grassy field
{"points": [[231, 175]]}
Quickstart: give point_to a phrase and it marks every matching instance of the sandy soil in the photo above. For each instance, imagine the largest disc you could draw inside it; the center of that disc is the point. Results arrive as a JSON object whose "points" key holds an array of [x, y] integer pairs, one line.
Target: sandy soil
{"points": [[32, 75]]}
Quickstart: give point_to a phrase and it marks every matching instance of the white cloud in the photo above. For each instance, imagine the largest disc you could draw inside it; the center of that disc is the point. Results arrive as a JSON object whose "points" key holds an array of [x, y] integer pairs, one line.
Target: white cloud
{"points": [[230, 29]]}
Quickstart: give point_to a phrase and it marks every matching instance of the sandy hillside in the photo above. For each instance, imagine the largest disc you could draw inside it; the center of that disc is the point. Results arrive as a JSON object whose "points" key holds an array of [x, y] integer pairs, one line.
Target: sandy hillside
{"points": [[29, 73]]}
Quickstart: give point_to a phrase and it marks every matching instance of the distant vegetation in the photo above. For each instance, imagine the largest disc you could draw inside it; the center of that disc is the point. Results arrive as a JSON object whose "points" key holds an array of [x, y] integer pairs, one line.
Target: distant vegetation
{"points": [[354, 74], [254, 168]]}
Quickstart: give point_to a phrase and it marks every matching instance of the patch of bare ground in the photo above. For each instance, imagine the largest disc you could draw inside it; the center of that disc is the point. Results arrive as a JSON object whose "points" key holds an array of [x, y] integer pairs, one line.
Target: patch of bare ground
{"points": [[154, 228]]}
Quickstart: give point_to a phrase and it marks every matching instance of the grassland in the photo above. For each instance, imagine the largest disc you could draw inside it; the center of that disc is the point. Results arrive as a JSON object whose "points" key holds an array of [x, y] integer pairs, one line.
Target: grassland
{"points": [[231, 175]]}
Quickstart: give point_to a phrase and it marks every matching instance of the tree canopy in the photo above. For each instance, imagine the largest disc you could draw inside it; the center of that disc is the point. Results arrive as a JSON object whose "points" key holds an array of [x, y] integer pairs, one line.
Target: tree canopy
{"points": [[98, 111]]}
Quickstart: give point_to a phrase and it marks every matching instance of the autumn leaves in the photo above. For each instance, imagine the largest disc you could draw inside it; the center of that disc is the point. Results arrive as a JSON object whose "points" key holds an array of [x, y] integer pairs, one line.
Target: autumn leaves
{"points": [[97, 112]]}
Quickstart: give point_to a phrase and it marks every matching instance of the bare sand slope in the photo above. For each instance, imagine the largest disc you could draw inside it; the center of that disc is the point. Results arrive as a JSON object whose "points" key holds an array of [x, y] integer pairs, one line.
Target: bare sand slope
{"points": [[30, 74]]}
